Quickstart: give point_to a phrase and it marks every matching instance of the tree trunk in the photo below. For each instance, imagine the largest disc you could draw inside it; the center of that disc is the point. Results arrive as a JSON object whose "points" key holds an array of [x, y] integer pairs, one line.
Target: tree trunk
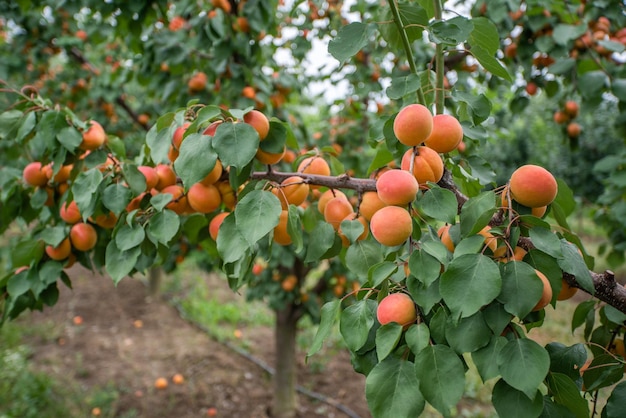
{"points": [[285, 398]]}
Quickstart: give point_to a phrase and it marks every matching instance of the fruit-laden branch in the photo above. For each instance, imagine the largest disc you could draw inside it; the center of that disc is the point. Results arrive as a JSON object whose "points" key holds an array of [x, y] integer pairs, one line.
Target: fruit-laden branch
{"points": [[342, 181], [606, 289]]}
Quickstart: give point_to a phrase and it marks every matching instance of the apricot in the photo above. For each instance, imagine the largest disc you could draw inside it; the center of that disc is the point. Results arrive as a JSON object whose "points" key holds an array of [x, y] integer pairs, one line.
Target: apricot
{"points": [[152, 178], [427, 165], [413, 124], [281, 235], [326, 196], [160, 383], [533, 186], [228, 194], [106, 221], [215, 223], [94, 137], [566, 291], [560, 117], [444, 235], [446, 135], [292, 191], [573, 130], [63, 175], [259, 122], [397, 187], [503, 254], [289, 283], [214, 175], [61, 251], [391, 225], [571, 108], [197, 82], [178, 379], [490, 240], [269, 157], [248, 92], [36, 174], [314, 165], [69, 212], [398, 308], [336, 210], [177, 137], [212, 128], [204, 198], [546, 296], [83, 236], [370, 204], [179, 203], [166, 176]]}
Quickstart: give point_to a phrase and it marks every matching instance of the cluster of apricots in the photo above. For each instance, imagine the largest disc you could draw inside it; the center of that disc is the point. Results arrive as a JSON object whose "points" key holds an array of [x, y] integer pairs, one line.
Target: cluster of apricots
{"points": [[566, 116]]}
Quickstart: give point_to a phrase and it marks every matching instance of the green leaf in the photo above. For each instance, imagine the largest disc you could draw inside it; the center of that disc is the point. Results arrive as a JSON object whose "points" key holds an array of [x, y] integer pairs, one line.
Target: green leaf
{"points": [[119, 263], [159, 142], [523, 364], [21, 283], [484, 35], [484, 358], [392, 390], [70, 138], [440, 204], [387, 337], [328, 317], [573, 263], [441, 377], [450, 32], [163, 226], [615, 404], [414, 18], [490, 63], [349, 40], [84, 188], [231, 245], [321, 240], [53, 235], [510, 402], [472, 106], [129, 236], [567, 360], [236, 144], [545, 240], [477, 213], [521, 288], [566, 393], [50, 124], [26, 252], [351, 229], [257, 214], [553, 410], [196, 159], [417, 337], [426, 296], [470, 282], [605, 370], [381, 271], [356, 322], [116, 197], [27, 125], [592, 84], [136, 181], [362, 255], [469, 334], [424, 267], [563, 33], [402, 86]]}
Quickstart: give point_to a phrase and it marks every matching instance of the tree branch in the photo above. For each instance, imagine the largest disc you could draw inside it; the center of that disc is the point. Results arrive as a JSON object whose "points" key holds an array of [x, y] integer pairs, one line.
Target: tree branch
{"points": [[342, 181]]}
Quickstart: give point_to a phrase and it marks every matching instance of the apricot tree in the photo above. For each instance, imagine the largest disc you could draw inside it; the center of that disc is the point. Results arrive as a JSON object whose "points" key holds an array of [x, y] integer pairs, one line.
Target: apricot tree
{"points": [[456, 269]]}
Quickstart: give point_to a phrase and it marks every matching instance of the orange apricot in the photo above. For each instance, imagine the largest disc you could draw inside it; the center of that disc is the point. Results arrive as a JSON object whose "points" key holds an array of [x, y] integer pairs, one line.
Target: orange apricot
{"points": [[179, 203], [177, 137], [215, 223], [214, 175], [204, 198], [446, 135], [69, 212], [228, 194], [281, 235], [427, 165], [397, 187], [160, 383], [370, 204], [197, 82], [490, 240], [259, 122], [546, 296], [566, 291], [336, 210], [391, 225], [314, 165], [571, 108], [398, 308], [444, 235], [212, 128], [152, 178], [61, 251], [413, 124], [533, 186], [106, 221], [573, 130], [166, 176], [292, 191], [83, 236], [503, 254], [326, 196], [269, 157], [63, 175], [36, 174], [94, 137], [289, 283]]}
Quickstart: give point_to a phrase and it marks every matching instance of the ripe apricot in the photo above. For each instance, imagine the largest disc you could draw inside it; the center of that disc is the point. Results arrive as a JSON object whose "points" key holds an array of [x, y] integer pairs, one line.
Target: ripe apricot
{"points": [[259, 122], [69, 212], [413, 124], [446, 135], [398, 308], [216, 222], [560, 117], [269, 157], [204, 198], [314, 165], [490, 240], [533, 186], [160, 383], [571, 108], [83, 236], [326, 196], [336, 211], [502, 253], [178, 379], [61, 251], [197, 82], [546, 296], [179, 203], [566, 291], [248, 92], [292, 191], [94, 137], [228, 194], [214, 175], [427, 165], [444, 235], [391, 225], [177, 136], [152, 178], [289, 283], [370, 204], [36, 174], [573, 129], [166, 176], [106, 221], [212, 128], [281, 235], [63, 175], [397, 187]]}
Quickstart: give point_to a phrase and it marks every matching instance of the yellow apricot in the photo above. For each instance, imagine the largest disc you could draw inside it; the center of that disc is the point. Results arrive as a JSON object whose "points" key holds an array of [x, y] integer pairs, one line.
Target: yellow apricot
{"points": [[413, 124], [391, 225]]}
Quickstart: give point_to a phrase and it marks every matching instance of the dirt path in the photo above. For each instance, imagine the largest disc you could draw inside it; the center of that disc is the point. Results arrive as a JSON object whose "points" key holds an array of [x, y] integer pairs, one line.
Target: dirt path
{"points": [[128, 340]]}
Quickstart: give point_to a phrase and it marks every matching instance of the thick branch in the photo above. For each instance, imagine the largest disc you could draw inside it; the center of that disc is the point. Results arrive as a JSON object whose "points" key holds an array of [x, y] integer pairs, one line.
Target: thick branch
{"points": [[342, 181], [606, 288]]}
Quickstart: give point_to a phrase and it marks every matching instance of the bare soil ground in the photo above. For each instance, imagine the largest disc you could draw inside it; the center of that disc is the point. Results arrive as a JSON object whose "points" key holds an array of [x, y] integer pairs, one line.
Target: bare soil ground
{"points": [[127, 340]]}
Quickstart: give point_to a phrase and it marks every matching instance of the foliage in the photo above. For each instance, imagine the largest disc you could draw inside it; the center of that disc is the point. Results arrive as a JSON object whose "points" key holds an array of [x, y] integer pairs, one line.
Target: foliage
{"points": [[475, 297]]}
